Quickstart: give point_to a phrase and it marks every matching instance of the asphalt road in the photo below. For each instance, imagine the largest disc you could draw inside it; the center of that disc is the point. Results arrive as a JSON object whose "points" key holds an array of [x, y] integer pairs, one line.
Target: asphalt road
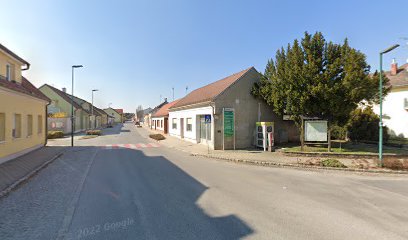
{"points": [[99, 192]]}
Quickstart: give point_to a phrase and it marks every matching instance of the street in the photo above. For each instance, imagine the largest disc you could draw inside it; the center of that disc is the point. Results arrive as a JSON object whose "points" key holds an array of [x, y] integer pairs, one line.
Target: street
{"points": [[123, 185]]}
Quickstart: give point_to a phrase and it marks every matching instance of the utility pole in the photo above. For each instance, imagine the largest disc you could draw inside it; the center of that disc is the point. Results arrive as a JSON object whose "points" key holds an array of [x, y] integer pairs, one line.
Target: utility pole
{"points": [[72, 105], [92, 110], [380, 134]]}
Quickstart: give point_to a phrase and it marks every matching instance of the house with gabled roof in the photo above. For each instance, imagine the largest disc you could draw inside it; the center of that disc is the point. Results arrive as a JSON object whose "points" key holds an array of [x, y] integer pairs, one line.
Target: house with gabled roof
{"points": [[160, 119], [22, 109], [117, 116], [148, 117], [61, 103], [223, 114], [395, 104]]}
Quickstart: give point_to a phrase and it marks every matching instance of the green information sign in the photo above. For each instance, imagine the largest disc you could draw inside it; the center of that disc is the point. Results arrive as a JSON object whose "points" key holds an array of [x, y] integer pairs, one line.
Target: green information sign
{"points": [[228, 122]]}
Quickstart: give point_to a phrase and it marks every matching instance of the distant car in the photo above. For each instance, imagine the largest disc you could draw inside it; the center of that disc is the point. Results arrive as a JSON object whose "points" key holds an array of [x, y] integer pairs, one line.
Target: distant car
{"points": [[137, 123]]}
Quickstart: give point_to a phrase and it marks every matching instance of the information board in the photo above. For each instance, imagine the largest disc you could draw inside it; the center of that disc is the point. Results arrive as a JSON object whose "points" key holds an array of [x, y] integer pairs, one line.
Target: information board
{"points": [[228, 122], [316, 131]]}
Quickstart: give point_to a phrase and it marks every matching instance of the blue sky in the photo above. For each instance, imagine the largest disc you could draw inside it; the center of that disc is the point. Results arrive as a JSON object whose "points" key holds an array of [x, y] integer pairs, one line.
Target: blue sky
{"points": [[135, 51]]}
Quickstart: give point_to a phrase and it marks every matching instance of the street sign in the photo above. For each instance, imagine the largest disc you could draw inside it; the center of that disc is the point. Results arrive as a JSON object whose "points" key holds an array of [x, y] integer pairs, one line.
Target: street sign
{"points": [[207, 118]]}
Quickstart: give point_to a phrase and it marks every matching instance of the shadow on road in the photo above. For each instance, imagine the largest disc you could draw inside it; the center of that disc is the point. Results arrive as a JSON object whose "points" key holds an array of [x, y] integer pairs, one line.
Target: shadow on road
{"points": [[154, 196], [117, 129]]}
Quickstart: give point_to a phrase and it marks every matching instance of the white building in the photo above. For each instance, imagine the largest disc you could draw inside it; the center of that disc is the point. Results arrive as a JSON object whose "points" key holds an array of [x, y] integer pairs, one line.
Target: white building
{"points": [[395, 104], [198, 117], [160, 118]]}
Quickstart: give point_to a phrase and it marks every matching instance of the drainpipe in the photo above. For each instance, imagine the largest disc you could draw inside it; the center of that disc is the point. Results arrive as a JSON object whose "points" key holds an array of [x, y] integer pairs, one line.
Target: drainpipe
{"points": [[46, 125]]}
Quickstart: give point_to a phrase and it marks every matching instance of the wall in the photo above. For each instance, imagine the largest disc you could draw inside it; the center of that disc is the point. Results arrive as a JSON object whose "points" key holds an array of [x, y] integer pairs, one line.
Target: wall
{"points": [[395, 115], [246, 107], [24, 105], [117, 116], [4, 60], [59, 124], [158, 126], [193, 135]]}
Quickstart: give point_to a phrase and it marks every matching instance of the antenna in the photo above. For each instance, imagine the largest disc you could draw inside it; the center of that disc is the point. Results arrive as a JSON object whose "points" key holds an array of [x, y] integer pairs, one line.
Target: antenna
{"points": [[186, 89], [173, 92]]}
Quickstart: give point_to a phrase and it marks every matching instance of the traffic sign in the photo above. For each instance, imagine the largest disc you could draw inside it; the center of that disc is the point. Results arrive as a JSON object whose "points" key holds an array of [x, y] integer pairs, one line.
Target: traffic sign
{"points": [[207, 118]]}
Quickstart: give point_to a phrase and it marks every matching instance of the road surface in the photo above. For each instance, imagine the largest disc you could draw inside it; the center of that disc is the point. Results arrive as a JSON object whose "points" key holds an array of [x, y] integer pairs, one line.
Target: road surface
{"points": [[124, 186]]}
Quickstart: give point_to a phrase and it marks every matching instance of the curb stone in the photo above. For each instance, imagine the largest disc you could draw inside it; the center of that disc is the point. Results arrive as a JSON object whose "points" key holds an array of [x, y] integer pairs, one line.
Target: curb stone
{"points": [[29, 175], [299, 166]]}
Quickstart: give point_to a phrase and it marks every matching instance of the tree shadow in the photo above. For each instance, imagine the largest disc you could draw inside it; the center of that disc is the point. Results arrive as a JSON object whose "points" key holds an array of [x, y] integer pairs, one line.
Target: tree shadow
{"points": [[152, 198]]}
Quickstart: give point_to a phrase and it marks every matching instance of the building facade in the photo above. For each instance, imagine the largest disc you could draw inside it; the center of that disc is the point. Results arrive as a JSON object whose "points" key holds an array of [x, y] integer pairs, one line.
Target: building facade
{"points": [[117, 117], [23, 109], [395, 104], [160, 119], [199, 116], [61, 104]]}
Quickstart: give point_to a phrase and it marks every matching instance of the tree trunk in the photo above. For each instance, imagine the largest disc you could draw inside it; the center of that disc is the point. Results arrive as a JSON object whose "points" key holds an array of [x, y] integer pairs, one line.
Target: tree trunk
{"points": [[329, 137], [302, 137]]}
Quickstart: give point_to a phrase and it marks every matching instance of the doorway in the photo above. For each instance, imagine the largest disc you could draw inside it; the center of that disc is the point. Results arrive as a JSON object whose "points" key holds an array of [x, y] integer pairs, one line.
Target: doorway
{"points": [[182, 127]]}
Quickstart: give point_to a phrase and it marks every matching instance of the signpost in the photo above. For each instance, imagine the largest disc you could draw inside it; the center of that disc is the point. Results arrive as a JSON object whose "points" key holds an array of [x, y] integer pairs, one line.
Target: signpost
{"points": [[228, 125], [207, 121]]}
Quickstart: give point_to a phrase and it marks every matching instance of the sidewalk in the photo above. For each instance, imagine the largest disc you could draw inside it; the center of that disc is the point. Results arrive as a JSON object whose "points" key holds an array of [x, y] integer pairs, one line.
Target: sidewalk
{"points": [[259, 157], [17, 170]]}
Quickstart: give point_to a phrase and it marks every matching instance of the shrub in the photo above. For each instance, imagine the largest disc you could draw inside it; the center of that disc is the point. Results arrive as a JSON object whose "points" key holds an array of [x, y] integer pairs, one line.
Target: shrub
{"points": [[363, 125], [338, 133], [94, 132], [395, 164], [333, 163], [157, 137], [55, 134]]}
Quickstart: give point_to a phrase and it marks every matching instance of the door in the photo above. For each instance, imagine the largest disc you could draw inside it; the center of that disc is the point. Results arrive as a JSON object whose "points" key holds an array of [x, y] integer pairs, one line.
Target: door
{"points": [[182, 127], [205, 130], [166, 124]]}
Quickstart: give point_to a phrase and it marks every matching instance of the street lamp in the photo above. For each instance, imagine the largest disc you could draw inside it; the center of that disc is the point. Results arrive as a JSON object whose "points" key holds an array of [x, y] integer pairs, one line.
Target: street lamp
{"points": [[72, 105], [380, 140], [93, 118]]}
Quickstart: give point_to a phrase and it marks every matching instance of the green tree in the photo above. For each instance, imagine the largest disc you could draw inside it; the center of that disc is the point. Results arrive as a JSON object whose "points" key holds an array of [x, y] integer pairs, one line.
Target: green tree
{"points": [[363, 125], [316, 78]]}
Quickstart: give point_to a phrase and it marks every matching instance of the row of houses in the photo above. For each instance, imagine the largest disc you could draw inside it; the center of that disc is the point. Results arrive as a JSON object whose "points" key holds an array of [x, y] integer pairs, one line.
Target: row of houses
{"points": [[200, 116], [27, 113], [222, 115], [86, 115]]}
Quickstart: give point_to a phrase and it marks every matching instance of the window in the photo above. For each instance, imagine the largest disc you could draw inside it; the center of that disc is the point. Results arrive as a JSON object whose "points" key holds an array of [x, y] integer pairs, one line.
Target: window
{"points": [[174, 123], [8, 72], [39, 124], [16, 132], [2, 127], [189, 124], [29, 125]]}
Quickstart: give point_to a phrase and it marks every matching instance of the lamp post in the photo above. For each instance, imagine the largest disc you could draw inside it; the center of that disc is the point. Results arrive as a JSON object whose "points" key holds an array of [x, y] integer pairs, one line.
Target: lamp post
{"points": [[93, 118], [72, 105], [380, 134]]}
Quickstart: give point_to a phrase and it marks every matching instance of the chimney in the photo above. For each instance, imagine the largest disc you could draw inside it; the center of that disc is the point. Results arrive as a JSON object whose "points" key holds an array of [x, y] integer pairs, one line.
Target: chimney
{"points": [[64, 90], [394, 67], [165, 99]]}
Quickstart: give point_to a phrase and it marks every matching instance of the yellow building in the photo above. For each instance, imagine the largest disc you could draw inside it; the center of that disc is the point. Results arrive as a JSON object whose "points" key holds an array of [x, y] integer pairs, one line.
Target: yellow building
{"points": [[23, 109], [118, 118]]}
